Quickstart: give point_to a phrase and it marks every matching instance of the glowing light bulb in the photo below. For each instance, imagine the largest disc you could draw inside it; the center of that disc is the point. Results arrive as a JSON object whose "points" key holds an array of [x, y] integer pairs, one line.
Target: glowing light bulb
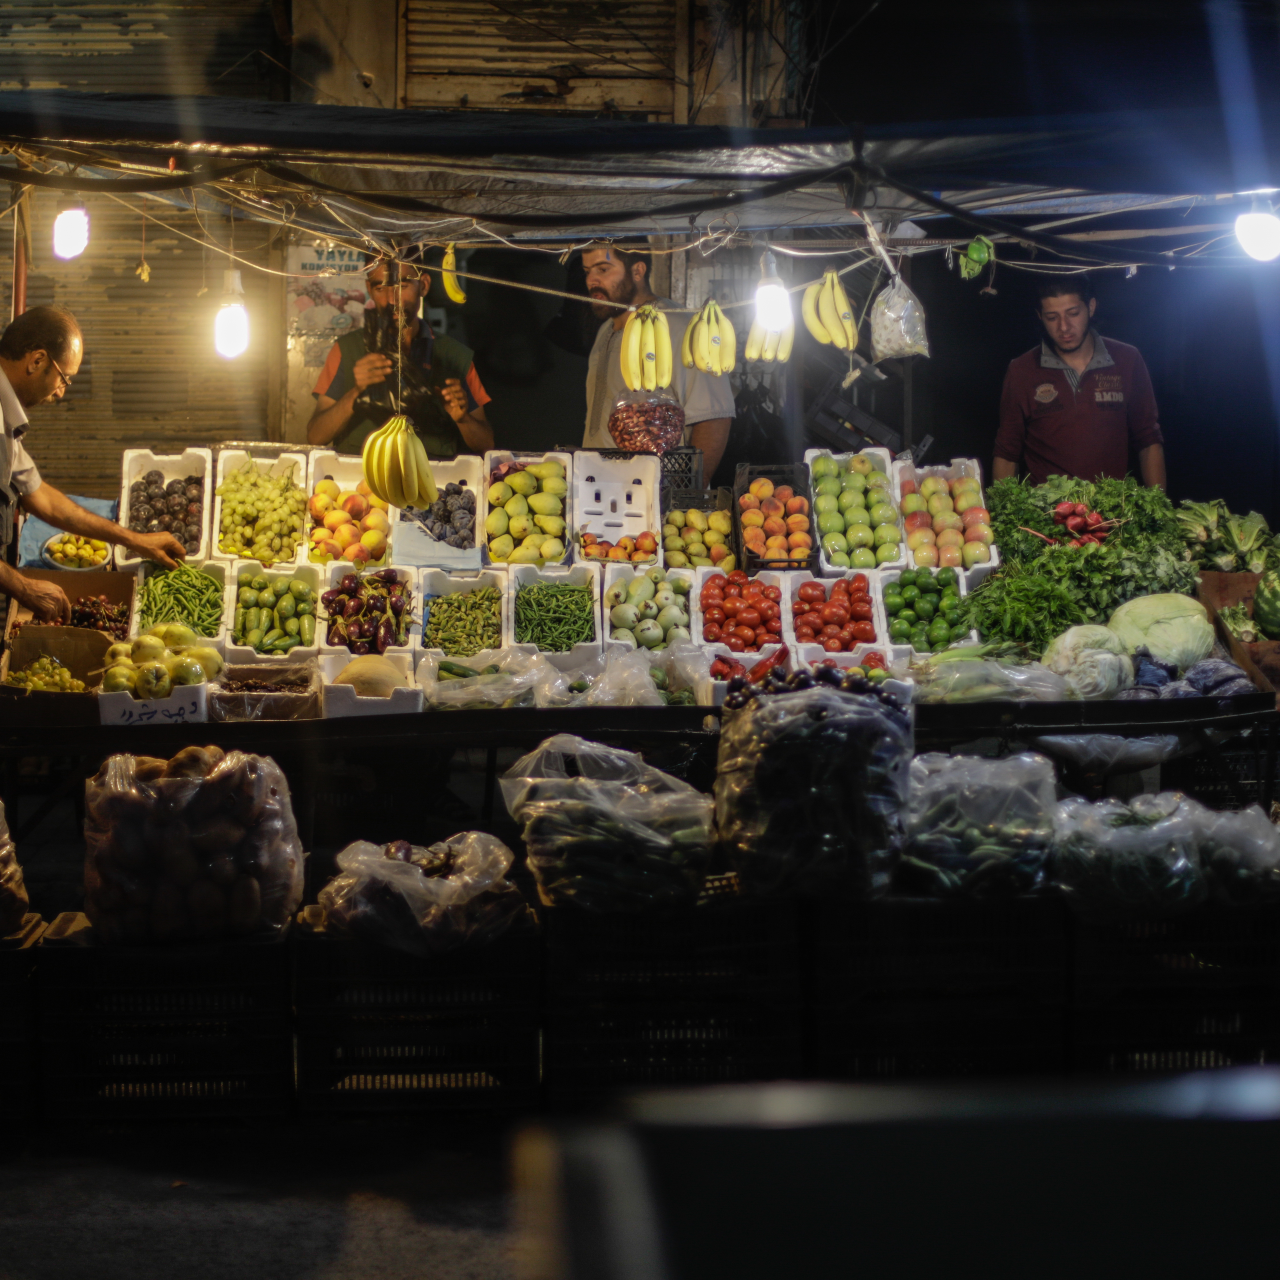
{"points": [[773, 303], [1259, 234], [71, 232], [231, 325]]}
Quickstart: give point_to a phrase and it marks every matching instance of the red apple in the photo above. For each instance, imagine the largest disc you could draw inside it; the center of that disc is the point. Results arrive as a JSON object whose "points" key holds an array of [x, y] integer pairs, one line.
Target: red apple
{"points": [[975, 515]]}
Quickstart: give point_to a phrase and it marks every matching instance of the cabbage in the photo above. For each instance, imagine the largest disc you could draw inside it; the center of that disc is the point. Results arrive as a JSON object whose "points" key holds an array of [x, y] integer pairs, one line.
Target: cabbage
{"points": [[1099, 673], [1175, 628], [1064, 652]]}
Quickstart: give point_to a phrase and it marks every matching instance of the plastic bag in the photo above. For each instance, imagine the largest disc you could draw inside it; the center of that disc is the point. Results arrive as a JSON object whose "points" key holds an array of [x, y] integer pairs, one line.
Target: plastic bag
{"points": [[425, 901], [897, 323], [245, 693], [200, 847], [512, 675], [605, 830], [811, 789], [1240, 856], [1112, 857], [646, 422], [978, 827], [1111, 753], [14, 903], [986, 680], [571, 687]]}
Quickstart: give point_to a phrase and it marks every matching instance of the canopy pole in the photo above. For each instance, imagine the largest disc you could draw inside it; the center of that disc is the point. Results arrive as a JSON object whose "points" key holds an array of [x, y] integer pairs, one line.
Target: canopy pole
{"points": [[18, 296]]}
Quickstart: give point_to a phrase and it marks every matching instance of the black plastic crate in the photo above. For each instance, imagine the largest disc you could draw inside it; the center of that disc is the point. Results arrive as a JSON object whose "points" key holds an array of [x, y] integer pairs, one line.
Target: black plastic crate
{"points": [[682, 467], [796, 475], [682, 499], [1233, 777], [17, 1013]]}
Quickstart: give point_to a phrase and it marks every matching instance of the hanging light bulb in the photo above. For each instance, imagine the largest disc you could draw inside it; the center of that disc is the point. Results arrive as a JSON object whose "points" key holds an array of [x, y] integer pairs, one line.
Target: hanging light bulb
{"points": [[231, 325], [773, 303], [71, 231], [1259, 232]]}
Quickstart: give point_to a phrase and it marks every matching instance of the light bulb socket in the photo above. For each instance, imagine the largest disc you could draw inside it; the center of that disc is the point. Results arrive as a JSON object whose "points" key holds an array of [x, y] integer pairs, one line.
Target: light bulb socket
{"points": [[232, 288]]}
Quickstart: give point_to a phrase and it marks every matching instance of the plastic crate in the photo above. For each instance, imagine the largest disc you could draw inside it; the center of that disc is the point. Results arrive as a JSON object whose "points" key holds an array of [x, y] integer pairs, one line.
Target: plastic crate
{"points": [[797, 476], [682, 468], [882, 461], [1231, 778], [412, 545], [615, 494], [346, 470], [496, 458], [380, 1030], [959, 467], [577, 575]]}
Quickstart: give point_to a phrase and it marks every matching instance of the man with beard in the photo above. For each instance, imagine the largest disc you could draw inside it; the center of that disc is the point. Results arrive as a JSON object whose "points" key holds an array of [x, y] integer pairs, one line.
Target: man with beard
{"points": [[620, 273], [1075, 404], [448, 415]]}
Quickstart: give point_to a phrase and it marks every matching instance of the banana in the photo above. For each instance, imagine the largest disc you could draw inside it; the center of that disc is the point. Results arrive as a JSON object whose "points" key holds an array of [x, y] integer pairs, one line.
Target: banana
{"points": [[368, 464], [845, 308], [686, 344], [713, 337], [809, 310], [648, 354], [388, 471], [828, 314], [728, 342], [427, 492], [755, 342], [631, 373], [770, 345], [451, 286], [662, 344], [785, 342], [702, 343]]}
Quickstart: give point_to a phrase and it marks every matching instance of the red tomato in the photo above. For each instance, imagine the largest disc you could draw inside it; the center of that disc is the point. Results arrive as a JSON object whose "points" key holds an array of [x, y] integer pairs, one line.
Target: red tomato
{"points": [[769, 610], [773, 593], [800, 608], [732, 606], [711, 599], [840, 588], [749, 617], [873, 659], [804, 635], [833, 644], [860, 611], [738, 576], [713, 615], [714, 580], [858, 582], [813, 620], [865, 632], [774, 626], [711, 632], [830, 631], [733, 642], [733, 589], [836, 613], [753, 588], [746, 634]]}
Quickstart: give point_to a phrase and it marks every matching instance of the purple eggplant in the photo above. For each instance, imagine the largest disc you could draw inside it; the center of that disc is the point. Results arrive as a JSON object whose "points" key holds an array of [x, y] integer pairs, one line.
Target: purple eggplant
{"points": [[360, 647], [386, 635], [384, 575], [375, 605], [330, 598], [338, 635], [349, 585], [354, 608], [398, 605]]}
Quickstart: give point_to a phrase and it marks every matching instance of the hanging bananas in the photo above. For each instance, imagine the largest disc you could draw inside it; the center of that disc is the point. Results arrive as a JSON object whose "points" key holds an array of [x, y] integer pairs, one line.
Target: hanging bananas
{"points": [[396, 466], [646, 350], [447, 268], [770, 344], [710, 343], [828, 313]]}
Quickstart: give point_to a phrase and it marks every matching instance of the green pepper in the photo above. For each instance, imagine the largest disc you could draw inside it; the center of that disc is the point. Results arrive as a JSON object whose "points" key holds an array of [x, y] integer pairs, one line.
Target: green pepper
{"points": [[307, 629]]}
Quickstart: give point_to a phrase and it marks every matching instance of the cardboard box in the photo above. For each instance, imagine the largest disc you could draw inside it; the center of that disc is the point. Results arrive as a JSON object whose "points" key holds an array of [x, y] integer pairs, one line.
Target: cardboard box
{"points": [[1260, 660], [119, 588], [81, 651]]}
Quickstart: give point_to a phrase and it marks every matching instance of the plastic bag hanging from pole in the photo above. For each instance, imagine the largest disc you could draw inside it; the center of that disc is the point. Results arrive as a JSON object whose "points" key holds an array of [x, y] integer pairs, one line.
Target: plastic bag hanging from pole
{"points": [[897, 318]]}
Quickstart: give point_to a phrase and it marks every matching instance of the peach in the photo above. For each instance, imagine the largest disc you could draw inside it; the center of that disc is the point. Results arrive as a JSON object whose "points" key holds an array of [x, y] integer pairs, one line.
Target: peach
{"points": [[641, 557], [336, 519], [328, 548], [748, 502], [776, 544], [919, 520], [798, 524], [926, 555], [618, 553], [799, 540], [717, 553], [376, 520], [329, 488], [950, 538], [752, 519], [363, 490], [355, 505], [784, 493], [321, 534], [381, 504], [754, 537], [762, 487], [949, 557], [797, 506], [799, 553], [628, 544], [772, 507], [647, 543], [594, 551], [775, 526], [376, 542], [319, 505], [346, 535], [357, 553]]}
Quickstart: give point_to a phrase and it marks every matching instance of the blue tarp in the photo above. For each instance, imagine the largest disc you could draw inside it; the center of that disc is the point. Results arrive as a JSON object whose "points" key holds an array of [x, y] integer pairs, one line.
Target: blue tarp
{"points": [[35, 533]]}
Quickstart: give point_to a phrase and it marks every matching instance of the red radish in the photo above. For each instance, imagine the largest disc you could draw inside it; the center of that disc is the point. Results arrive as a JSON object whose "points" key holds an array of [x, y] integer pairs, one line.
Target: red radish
{"points": [[1075, 524], [1063, 510]]}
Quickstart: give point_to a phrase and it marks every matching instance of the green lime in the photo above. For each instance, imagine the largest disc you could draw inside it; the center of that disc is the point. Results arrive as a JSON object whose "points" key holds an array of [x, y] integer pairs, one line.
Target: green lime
{"points": [[947, 577], [910, 594], [907, 578], [928, 584], [899, 631], [894, 603], [926, 607], [959, 633], [909, 616]]}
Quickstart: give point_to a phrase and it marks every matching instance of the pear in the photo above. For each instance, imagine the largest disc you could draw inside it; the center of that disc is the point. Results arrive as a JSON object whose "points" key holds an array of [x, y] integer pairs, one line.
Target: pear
{"points": [[499, 494]]}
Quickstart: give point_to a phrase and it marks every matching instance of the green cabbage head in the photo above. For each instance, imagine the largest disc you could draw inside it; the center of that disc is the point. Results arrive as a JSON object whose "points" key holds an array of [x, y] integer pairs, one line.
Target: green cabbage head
{"points": [[1175, 628]]}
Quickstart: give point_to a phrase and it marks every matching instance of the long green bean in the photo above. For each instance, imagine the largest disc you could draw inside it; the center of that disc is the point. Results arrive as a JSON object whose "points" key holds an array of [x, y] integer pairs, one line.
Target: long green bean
{"points": [[463, 624], [183, 595], [555, 616]]}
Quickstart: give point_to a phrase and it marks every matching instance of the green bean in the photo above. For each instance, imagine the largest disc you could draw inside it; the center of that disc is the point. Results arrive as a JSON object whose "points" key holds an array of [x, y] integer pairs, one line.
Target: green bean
{"points": [[183, 595], [555, 616], [465, 623]]}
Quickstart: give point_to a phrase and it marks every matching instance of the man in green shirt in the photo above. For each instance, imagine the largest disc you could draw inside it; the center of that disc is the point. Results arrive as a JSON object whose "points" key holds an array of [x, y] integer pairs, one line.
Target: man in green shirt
{"points": [[449, 420]]}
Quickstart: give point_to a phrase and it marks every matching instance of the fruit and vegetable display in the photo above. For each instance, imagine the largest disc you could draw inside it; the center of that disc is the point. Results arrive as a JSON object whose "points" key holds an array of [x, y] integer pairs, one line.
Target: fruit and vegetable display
{"points": [[606, 832], [742, 613], [367, 613], [774, 524], [68, 551], [354, 524], [648, 610], [262, 514], [1225, 543], [183, 594], [526, 520], [173, 506], [396, 467], [196, 848], [555, 616], [168, 656], [463, 623], [92, 613], [451, 518], [273, 615], [923, 609], [698, 538], [946, 523], [837, 615], [47, 675]]}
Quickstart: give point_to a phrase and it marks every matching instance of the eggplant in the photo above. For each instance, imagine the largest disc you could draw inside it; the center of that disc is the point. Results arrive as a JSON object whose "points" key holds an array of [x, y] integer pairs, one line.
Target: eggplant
{"points": [[398, 605], [385, 636], [360, 647], [349, 585], [384, 575], [338, 635], [353, 608], [330, 599], [375, 604]]}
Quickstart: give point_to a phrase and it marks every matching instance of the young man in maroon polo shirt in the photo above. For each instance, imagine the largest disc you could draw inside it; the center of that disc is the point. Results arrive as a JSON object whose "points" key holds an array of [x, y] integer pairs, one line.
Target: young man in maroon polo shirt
{"points": [[1076, 403]]}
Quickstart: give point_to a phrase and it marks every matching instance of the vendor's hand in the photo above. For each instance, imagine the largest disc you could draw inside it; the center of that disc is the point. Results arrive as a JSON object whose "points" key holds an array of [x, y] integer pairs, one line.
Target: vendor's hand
{"points": [[163, 547], [46, 600], [371, 369], [455, 399]]}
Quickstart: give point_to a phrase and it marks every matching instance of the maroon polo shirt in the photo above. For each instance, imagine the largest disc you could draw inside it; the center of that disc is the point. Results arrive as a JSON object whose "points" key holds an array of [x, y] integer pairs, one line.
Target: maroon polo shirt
{"points": [[1059, 422]]}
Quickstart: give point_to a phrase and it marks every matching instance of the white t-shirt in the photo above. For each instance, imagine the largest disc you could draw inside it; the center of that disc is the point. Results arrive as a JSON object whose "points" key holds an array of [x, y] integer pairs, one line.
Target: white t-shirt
{"points": [[17, 468]]}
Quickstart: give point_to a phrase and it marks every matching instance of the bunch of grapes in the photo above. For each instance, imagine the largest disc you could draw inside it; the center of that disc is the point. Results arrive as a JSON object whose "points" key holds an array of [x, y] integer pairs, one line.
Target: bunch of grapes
{"points": [[47, 674], [94, 613], [262, 515]]}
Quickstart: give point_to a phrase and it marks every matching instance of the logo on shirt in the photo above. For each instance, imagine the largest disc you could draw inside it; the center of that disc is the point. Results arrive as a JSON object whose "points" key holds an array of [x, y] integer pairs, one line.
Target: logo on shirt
{"points": [[1045, 392], [1109, 397], [1108, 388]]}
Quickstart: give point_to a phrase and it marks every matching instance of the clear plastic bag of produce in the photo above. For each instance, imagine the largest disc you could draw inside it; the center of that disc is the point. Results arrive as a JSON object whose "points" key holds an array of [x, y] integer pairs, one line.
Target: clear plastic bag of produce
{"points": [[811, 792], [977, 827], [646, 422], [424, 901], [505, 678], [571, 687], [1111, 753], [946, 678], [897, 323], [604, 830], [14, 902], [1112, 858], [244, 693], [194, 849], [1240, 856]]}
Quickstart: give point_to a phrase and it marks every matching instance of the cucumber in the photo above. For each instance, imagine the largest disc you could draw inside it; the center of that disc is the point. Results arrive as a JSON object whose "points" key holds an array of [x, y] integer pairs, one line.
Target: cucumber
{"points": [[307, 629]]}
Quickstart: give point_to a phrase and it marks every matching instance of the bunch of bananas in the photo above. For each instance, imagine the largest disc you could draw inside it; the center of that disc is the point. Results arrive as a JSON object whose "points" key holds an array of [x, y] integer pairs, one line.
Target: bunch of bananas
{"points": [[828, 314], [451, 286], [646, 350], [396, 467], [710, 342], [770, 344]]}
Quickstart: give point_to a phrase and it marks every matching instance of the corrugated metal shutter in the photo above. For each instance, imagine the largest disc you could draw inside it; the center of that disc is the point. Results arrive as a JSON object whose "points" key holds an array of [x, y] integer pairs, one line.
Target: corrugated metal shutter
{"points": [[556, 55], [151, 378], [145, 46]]}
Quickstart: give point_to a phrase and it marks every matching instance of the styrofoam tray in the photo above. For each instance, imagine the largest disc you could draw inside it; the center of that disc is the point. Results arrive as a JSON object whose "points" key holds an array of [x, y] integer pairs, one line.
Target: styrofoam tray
{"points": [[176, 466], [412, 545], [878, 617], [496, 458], [340, 701], [882, 461], [347, 471], [893, 575], [618, 571], [187, 704], [613, 498], [220, 569], [312, 574], [959, 467], [335, 572], [523, 575], [436, 582], [896, 656], [769, 578], [276, 462]]}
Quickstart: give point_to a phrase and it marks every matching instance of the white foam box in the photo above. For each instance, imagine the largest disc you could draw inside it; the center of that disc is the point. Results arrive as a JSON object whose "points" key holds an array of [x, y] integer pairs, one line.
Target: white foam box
{"points": [[334, 573], [618, 571], [769, 578], [173, 466], [186, 704], [341, 701], [436, 582], [498, 457], [346, 470], [958, 467], [892, 575], [879, 619], [413, 546], [276, 462], [613, 498], [897, 658], [882, 461], [314, 575], [524, 575], [219, 569]]}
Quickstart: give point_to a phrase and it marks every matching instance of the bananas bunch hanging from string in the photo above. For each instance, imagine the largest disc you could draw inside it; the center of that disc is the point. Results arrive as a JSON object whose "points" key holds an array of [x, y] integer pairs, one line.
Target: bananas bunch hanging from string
{"points": [[710, 342], [828, 314], [770, 344], [447, 268], [646, 350], [396, 467]]}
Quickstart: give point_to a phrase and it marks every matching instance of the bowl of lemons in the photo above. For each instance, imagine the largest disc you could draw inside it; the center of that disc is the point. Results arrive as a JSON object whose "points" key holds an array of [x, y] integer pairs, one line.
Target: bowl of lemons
{"points": [[70, 551]]}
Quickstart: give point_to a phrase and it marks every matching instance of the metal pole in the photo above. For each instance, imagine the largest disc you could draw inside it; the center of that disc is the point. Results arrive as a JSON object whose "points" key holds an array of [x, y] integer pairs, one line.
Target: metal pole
{"points": [[19, 295]]}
